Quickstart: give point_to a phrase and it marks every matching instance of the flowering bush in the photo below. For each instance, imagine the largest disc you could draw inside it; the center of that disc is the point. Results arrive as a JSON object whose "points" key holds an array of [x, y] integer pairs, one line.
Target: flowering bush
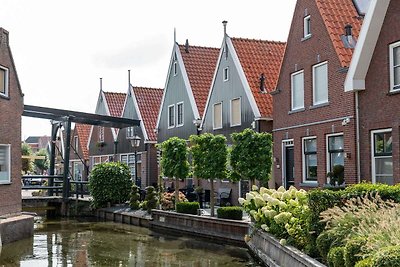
{"points": [[280, 212], [168, 200]]}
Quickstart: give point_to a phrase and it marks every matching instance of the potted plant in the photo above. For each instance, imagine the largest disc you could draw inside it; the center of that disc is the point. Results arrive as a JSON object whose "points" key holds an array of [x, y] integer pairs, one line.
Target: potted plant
{"points": [[336, 176]]}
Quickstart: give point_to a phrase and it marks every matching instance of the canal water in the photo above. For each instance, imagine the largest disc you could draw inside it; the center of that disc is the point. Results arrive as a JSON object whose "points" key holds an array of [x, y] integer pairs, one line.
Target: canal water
{"points": [[83, 243]]}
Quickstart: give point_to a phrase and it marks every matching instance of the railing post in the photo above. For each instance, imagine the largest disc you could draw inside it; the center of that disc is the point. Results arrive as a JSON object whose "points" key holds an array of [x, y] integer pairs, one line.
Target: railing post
{"points": [[66, 183], [54, 129]]}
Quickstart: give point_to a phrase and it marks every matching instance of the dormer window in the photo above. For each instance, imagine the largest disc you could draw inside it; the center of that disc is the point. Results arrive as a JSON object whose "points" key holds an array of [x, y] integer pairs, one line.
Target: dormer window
{"points": [[394, 51], [307, 26], [226, 74], [3, 81]]}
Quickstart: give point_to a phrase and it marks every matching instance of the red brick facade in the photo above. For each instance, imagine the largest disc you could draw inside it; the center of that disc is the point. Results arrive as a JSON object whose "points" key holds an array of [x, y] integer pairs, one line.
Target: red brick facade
{"points": [[11, 108], [312, 121], [379, 109]]}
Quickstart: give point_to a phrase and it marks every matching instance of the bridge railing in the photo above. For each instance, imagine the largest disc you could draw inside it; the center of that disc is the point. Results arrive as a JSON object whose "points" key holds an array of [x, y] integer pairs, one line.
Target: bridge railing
{"points": [[42, 182]]}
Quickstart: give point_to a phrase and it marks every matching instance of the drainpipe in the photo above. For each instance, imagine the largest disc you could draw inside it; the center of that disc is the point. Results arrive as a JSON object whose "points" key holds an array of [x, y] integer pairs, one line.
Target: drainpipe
{"points": [[358, 138]]}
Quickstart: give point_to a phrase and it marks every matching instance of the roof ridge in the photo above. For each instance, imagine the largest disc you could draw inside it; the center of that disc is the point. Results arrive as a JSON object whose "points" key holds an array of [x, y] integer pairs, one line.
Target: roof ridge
{"points": [[121, 93], [144, 87], [197, 46], [259, 40]]}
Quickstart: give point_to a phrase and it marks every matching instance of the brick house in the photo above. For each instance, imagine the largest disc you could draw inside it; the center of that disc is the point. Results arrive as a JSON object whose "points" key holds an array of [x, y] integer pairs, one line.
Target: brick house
{"points": [[239, 97], [143, 104], [13, 225], [102, 143], [314, 118], [79, 155], [374, 77]]}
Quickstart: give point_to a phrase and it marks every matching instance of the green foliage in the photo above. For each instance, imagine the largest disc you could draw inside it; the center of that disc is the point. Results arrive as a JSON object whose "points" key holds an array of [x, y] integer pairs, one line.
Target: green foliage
{"points": [[337, 175], [134, 202], [387, 257], [109, 182], [174, 162], [232, 213], [385, 191], [151, 200], [42, 164], [187, 207], [27, 164], [325, 241], [336, 257], [367, 262], [209, 153], [352, 250], [251, 155]]}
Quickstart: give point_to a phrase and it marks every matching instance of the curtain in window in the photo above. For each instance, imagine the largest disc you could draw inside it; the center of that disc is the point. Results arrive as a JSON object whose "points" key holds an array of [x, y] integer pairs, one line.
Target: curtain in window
{"points": [[321, 84], [235, 112]]}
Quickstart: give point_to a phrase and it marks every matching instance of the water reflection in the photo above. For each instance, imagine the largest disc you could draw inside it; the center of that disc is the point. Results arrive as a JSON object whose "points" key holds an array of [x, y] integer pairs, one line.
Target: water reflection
{"points": [[74, 243]]}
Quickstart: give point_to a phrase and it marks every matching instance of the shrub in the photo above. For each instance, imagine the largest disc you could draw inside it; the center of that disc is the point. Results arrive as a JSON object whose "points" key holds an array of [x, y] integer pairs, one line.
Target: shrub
{"points": [[232, 213], [187, 207], [352, 251], [325, 241], [387, 257], [386, 192], [135, 197], [109, 182], [367, 262], [150, 202], [168, 200], [336, 257]]}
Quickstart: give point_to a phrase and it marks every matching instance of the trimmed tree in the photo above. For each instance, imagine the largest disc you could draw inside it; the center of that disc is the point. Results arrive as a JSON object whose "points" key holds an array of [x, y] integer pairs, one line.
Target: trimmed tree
{"points": [[42, 164], [251, 156], [210, 155], [27, 164], [174, 161]]}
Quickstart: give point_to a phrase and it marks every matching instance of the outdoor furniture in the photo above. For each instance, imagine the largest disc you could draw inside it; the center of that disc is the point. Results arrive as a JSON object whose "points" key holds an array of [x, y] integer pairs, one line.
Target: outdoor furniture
{"points": [[224, 196]]}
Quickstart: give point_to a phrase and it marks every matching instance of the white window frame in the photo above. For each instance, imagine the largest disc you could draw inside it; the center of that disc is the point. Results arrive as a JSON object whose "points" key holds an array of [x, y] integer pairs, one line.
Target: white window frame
{"points": [[6, 74], [327, 85], [129, 132], [177, 114], [175, 67], [168, 114], [76, 144], [307, 26], [328, 160], [291, 88], [101, 134], [240, 112], [8, 155], [304, 160], [226, 74], [285, 143], [393, 87], [216, 128], [372, 145]]}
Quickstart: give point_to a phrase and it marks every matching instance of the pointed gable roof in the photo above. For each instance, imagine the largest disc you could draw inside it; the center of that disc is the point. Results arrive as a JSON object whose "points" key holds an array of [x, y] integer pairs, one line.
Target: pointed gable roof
{"points": [[260, 57], [83, 132], [200, 63], [148, 102], [115, 103], [336, 14]]}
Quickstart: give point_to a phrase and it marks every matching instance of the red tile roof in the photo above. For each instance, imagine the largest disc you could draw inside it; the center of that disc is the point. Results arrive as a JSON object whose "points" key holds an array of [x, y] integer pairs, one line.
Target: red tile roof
{"points": [[149, 101], [115, 102], [200, 64], [336, 14], [260, 57], [83, 132]]}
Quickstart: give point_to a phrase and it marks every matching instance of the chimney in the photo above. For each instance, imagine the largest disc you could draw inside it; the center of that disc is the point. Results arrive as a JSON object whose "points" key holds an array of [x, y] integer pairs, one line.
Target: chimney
{"points": [[226, 45], [348, 40], [129, 78], [187, 46], [224, 23], [101, 84], [262, 83], [348, 30]]}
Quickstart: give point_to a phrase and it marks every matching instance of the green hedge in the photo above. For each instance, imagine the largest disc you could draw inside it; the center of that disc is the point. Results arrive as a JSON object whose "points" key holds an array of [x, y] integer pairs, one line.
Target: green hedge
{"points": [[232, 213], [352, 249], [187, 207], [336, 257], [387, 257]]}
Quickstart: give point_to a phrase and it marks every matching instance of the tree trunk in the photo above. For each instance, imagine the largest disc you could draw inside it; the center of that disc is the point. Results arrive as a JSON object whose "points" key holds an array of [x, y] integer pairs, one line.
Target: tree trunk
{"points": [[212, 197], [176, 191]]}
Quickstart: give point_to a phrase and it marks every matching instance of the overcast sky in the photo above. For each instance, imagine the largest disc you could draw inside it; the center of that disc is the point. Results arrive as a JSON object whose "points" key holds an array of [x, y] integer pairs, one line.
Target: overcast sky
{"points": [[62, 48]]}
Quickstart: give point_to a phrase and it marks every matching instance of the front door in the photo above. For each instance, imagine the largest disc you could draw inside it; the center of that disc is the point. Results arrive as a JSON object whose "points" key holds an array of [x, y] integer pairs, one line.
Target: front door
{"points": [[289, 166]]}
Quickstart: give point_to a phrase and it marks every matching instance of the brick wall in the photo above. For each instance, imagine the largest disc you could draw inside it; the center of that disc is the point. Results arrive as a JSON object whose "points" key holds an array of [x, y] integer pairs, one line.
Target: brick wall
{"points": [[10, 131], [378, 108]]}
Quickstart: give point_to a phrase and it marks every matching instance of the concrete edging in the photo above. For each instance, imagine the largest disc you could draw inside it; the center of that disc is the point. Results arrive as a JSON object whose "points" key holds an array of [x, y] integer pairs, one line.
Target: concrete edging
{"points": [[15, 228]]}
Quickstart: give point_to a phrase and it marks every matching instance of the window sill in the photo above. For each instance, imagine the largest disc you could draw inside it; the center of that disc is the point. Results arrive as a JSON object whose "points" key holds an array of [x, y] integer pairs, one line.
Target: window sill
{"points": [[180, 125], [296, 111], [319, 105], [305, 38], [5, 97], [393, 92], [171, 127], [309, 184], [220, 128], [5, 183], [236, 125]]}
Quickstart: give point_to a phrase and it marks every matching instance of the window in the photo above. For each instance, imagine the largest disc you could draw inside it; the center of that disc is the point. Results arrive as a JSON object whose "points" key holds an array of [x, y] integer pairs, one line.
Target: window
{"points": [[76, 144], [129, 132], [310, 159], [297, 85], [3, 81], [320, 83], [5, 164], [101, 134], [175, 68], [335, 145], [179, 108], [226, 74], [236, 112], [217, 116], [394, 51], [307, 26], [171, 116], [382, 163]]}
